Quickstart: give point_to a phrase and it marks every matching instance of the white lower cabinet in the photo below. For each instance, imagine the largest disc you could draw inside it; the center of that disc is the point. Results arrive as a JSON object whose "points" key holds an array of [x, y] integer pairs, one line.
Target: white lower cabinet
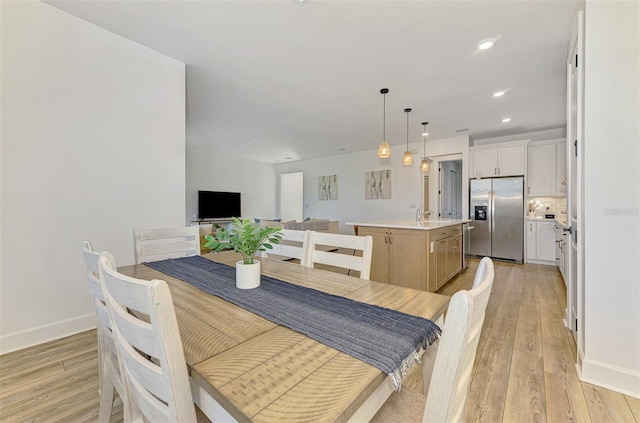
{"points": [[541, 240]]}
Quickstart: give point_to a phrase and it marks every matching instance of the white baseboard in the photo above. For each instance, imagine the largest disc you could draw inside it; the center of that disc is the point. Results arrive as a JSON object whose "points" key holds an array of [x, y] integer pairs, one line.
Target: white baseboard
{"points": [[611, 377], [544, 262], [45, 333]]}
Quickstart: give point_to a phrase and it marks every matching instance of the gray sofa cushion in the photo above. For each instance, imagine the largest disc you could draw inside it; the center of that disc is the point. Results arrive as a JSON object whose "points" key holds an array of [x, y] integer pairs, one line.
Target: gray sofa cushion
{"points": [[313, 225]]}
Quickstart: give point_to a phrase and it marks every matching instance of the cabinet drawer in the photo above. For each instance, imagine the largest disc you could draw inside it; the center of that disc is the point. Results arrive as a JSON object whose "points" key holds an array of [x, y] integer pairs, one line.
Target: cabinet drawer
{"points": [[446, 232]]}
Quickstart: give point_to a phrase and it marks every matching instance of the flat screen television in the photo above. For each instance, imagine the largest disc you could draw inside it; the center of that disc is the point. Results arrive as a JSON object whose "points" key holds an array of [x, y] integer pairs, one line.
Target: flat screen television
{"points": [[218, 205]]}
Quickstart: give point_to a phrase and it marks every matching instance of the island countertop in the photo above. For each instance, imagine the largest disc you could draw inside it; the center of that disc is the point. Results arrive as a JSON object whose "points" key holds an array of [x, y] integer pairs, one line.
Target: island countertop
{"points": [[424, 224]]}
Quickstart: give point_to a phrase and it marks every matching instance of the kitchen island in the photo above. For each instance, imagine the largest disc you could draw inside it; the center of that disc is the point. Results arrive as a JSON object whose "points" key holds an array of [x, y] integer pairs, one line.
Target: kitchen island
{"points": [[421, 255]]}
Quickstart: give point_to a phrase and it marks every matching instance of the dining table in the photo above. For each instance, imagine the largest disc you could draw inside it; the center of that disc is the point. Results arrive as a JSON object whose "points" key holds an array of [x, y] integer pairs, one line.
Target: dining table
{"points": [[246, 368]]}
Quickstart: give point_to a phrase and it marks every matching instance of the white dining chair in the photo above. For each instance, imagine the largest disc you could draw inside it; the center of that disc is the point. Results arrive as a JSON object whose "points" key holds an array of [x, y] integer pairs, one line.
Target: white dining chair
{"points": [[108, 367], [152, 362], [332, 258], [481, 271], [166, 243], [294, 244], [447, 393]]}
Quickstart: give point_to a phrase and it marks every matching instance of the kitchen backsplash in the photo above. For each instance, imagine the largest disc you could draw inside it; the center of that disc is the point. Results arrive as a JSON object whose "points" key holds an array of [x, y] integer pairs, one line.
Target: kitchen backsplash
{"points": [[557, 205]]}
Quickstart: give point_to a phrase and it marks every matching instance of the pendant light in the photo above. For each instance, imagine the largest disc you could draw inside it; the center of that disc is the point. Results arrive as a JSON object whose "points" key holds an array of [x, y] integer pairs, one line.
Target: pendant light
{"points": [[407, 157], [425, 166], [384, 151]]}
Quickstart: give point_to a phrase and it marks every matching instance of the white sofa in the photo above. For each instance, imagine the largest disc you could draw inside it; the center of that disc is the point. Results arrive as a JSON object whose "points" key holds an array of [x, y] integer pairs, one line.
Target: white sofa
{"points": [[320, 225]]}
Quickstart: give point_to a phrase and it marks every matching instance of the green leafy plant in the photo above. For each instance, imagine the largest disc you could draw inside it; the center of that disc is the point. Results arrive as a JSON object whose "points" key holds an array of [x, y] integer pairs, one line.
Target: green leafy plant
{"points": [[245, 238]]}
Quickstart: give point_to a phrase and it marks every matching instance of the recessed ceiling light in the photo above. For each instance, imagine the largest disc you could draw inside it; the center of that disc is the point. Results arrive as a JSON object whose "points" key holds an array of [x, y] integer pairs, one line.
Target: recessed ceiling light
{"points": [[499, 93], [288, 158], [424, 134], [507, 119], [301, 2], [461, 130], [486, 45], [342, 149]]}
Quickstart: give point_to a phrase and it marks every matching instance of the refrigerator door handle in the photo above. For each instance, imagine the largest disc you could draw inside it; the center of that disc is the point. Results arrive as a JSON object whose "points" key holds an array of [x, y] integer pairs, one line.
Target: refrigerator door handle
{"points": [[492, 199], [490, 212]]}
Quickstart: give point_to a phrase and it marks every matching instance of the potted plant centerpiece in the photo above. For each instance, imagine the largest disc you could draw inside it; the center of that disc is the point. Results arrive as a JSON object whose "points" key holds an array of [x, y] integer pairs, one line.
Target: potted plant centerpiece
{"points": [[247, 239]]}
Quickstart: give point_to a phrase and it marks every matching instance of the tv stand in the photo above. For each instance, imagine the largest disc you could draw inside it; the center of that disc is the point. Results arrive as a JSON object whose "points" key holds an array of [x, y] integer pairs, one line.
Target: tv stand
{"points": [[209, 221]]}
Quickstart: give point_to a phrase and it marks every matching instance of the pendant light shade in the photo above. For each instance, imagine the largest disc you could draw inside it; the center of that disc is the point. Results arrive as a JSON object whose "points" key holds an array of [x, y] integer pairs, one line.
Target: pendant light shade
{"points": [[384, 151], [407, 157], [425, 164]]}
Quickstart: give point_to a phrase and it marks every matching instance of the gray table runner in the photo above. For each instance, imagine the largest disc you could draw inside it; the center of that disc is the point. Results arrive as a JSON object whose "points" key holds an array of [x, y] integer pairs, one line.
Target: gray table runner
{"points": [[387, 339]]}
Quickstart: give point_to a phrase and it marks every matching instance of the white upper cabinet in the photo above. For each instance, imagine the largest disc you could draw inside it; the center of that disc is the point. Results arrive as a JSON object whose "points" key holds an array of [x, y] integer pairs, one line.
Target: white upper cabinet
{"points": [[507, 159], [546, 169], [541, 167], [486, 162], [511, 160]]}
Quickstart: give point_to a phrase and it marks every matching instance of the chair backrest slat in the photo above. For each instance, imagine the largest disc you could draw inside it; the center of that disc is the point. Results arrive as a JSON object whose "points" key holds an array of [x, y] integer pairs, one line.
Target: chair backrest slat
{"points": [[144, 371], [456, 353], [346, 261], [136, 331], [294, 244], [161, 244]]}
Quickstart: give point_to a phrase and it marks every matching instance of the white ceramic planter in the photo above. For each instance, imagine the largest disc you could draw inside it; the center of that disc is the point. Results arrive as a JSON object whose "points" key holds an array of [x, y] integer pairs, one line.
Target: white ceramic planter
{"points": [[247, 275]]}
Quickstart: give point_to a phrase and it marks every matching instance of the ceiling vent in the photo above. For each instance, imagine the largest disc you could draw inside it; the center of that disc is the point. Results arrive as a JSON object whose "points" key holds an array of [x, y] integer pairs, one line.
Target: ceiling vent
{"points": [[459, 130]]}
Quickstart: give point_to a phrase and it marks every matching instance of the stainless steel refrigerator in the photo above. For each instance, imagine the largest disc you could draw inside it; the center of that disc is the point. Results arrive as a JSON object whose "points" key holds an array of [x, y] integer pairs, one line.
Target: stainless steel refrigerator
{"points": [[496, 210]]}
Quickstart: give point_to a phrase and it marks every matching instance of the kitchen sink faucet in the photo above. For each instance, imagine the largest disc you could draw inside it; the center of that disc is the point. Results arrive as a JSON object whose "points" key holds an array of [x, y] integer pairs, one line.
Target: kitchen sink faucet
{"points": [[420, 214]]}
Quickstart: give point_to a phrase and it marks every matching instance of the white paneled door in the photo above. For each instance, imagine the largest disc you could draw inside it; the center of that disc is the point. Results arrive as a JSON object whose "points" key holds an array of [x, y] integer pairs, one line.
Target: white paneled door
{"points": [[291, 196], [575, 205]]}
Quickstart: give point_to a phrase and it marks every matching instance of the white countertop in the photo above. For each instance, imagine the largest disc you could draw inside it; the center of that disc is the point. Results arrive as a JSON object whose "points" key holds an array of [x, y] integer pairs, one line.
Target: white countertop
{"points": [[560, 220], [425, 225]]}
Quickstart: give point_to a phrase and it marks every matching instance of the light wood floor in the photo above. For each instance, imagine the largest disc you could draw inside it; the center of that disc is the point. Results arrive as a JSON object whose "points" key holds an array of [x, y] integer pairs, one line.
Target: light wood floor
{"points": [[524, 365]]}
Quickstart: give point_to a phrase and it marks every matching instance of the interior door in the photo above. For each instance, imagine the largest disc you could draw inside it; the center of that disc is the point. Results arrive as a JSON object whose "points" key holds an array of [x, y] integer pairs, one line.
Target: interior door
{"points": [[425, 196], [574, 266], [445, 190], [456, 195], [292, 196]]}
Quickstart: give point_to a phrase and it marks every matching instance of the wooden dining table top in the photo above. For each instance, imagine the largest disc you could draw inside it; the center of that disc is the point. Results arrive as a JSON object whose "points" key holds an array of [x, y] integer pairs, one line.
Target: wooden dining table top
{"points": [[263, 372]]}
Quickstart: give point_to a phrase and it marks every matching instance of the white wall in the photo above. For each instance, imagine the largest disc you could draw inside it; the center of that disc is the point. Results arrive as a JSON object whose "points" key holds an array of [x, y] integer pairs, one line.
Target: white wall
{"points": [[92, 147], [256, 181], [612, 195], [350, 168]]}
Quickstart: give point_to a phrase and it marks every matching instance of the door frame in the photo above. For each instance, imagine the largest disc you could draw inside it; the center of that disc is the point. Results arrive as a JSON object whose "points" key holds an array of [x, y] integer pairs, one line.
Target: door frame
{"points": [[574, 264], [434, 183]]}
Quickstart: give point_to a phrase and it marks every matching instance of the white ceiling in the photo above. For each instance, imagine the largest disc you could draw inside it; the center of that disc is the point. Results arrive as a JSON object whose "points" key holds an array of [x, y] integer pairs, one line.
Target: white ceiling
{"points": [[267, 80]]}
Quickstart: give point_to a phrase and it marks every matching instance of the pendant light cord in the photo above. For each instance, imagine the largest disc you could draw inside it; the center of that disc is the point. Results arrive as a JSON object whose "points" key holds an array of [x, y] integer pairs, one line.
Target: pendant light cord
{"points": [[424, 139], [407, 112], [408, 128], [384, 108]]}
